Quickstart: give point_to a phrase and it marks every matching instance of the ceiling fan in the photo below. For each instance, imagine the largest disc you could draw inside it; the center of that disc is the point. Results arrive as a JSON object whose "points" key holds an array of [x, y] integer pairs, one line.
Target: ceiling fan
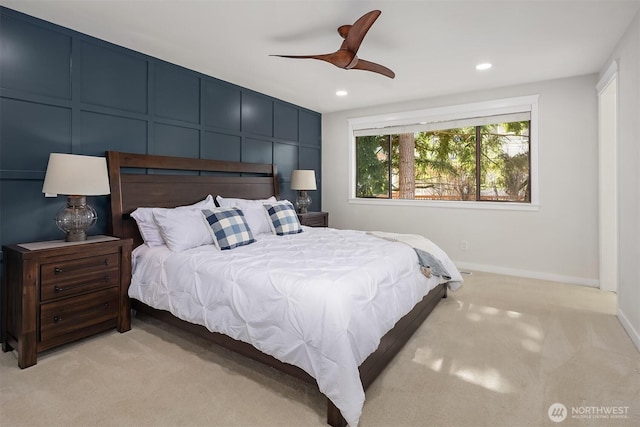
{"points": [[346, 57]]}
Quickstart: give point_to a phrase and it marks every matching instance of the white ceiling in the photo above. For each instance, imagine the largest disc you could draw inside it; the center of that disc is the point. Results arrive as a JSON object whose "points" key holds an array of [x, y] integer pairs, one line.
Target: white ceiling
{"points": [[433, 46]]}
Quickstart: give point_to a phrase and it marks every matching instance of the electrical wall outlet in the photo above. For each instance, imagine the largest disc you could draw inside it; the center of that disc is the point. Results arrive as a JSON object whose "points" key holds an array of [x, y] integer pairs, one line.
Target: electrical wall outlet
{"points": [[464, 245]]}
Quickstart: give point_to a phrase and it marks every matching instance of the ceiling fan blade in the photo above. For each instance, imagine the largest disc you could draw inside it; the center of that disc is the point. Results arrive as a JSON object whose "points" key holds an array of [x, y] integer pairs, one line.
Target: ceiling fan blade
{"points": [[372, 66], [341, 59], [304, 56], [358, 30]]}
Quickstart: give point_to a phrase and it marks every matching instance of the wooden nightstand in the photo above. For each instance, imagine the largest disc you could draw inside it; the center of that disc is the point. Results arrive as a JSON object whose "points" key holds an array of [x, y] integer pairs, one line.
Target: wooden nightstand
{"points": [[314, 219], [57, 292]]}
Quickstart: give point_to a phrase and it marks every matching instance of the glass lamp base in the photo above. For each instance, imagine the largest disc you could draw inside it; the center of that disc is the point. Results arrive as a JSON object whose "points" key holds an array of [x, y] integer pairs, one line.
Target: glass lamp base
{"points": [[303, 201], [76, 218]]}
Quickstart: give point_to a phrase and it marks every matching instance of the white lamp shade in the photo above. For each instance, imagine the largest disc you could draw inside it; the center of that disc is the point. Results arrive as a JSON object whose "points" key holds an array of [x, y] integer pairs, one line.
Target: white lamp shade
{"points": [[71, 174], [303, 180]]}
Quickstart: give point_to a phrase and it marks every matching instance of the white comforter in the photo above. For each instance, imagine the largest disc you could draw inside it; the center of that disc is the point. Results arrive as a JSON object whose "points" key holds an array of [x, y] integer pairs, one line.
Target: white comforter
{"points": [[320, 300]]}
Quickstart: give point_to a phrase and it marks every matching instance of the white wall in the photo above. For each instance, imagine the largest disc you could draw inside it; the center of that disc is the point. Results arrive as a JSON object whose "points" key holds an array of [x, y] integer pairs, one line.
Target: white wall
{"points": [[557, 242], [627, 54]]}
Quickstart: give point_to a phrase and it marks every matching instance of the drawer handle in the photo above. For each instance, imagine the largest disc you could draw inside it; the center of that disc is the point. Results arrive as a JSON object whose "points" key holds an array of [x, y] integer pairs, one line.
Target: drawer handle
{"points": [[106, 305], [58, 270], [57, 289], [56, 319]]}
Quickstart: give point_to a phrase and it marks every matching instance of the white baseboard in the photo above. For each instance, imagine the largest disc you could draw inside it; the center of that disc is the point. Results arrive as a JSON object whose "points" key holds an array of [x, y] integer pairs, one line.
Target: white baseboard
{"points": [[631, 331], [583, 281]]}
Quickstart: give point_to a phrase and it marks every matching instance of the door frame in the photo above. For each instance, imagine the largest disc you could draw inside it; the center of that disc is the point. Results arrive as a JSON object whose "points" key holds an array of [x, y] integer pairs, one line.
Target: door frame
{"points": [[607, 89]]}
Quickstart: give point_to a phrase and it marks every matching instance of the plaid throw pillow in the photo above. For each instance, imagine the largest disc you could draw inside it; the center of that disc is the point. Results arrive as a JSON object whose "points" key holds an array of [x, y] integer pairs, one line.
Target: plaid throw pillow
{"points": [[284, 219], [229, 227]]}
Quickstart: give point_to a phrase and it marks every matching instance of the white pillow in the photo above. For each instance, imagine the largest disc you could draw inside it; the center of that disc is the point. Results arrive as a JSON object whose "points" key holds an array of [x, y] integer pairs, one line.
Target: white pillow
{"points": [[253, 211], [228, 202], [182, 229], [149, 229]]}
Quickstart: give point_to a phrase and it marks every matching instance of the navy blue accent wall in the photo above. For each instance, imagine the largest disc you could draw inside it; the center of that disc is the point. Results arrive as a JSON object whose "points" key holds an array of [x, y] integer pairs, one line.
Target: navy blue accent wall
{"points": [[63, 91]]}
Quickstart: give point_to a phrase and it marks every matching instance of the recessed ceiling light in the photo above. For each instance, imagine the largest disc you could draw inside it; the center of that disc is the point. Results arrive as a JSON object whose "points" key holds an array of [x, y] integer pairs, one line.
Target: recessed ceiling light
{"points": [[483, 66], [342, 93]]}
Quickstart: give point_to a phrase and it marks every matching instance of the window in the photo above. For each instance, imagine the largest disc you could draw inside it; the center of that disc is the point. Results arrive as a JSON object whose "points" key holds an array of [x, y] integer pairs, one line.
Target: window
{"points": [[474, 153]]}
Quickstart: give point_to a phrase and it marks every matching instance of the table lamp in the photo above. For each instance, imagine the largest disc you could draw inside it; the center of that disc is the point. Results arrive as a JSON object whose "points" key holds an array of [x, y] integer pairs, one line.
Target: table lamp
{"points": [[303, 180], [76, 177]]}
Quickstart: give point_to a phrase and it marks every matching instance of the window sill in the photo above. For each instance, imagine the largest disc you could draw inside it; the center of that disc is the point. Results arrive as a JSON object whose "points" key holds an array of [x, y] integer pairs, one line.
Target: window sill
{"points": [[502, 206]]}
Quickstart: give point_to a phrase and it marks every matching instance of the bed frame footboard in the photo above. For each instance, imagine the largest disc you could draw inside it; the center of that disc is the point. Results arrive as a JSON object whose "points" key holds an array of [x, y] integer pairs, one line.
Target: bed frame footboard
{"points": [[389, 346]]}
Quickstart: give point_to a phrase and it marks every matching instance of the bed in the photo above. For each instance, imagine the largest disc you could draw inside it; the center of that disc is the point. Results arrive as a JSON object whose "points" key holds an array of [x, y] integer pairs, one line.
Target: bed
{"points": [[139, 180]]}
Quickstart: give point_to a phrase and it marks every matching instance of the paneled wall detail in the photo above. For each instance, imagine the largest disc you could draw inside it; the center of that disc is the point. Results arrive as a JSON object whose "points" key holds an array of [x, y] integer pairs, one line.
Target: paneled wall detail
{"points": [[63, 91]]}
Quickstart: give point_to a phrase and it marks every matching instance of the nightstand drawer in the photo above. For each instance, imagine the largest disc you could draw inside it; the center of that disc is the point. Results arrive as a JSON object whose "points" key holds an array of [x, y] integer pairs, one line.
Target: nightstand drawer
{"points": [[79, 284], [314, 219], [64, 317], [67, 269]]}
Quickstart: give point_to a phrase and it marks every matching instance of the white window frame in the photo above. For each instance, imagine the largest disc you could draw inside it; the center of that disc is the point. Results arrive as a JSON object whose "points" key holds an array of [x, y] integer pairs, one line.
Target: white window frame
{"points": [[454, 112]]}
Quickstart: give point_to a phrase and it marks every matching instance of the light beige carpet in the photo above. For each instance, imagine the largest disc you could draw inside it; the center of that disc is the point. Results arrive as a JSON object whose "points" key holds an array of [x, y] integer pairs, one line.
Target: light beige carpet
{"points": [[498, 352]]}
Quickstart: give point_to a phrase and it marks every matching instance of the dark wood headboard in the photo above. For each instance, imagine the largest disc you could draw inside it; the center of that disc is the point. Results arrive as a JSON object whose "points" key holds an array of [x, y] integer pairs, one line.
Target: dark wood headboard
{"points": [[144, 180]]}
